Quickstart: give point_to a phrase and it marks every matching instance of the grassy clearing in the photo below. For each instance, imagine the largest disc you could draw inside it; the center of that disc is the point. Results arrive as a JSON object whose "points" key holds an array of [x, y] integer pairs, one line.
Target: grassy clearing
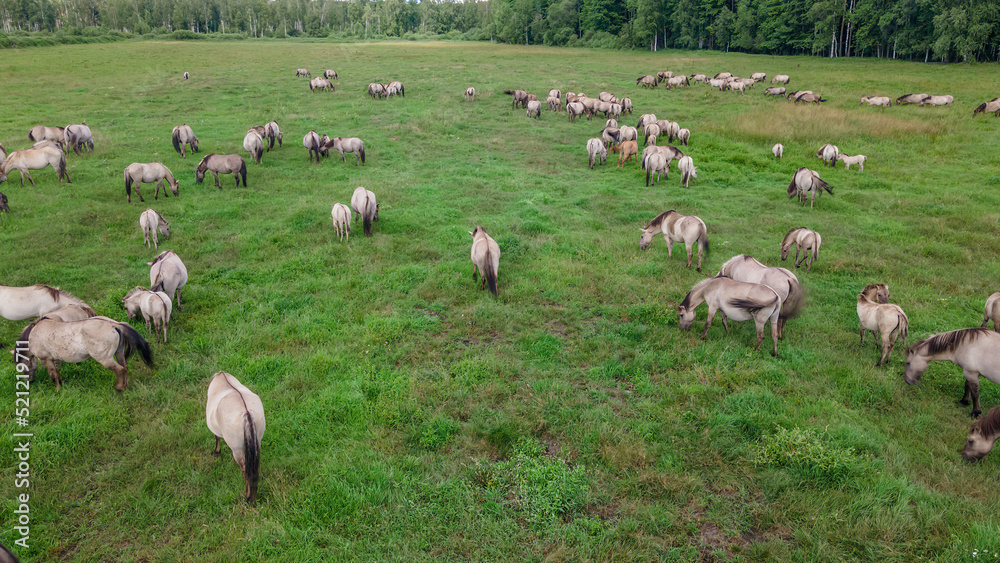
{"points": [[412, 417]]}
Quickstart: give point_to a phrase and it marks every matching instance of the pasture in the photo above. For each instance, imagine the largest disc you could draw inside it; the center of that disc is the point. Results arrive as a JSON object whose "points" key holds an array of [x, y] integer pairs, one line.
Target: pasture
{"points": [[412, 416]]}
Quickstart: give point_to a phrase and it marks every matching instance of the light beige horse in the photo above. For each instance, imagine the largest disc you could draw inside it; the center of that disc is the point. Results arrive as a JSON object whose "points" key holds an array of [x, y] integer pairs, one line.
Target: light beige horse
{"points": [[657, 164], [575, 110], [35, 159], [312, 142], [364, 204], [71, 313], [683, 135], [554, 103], [775, 91], [222, 164], [485, 258], [148, 172], [992, 106], [78, 136], [859, 159], [747, 269], [254, 144], [51, 342], [804, 240], [668, 152], [688, 170], [875, 313], [677, 228], [397, 88], [330, 73], [758, 76], [596, 152], [780, 79], [340, 214], [151, 222], [19, 303], [302, 72], [938, 100], [651, 132], [167, 273], [912, 99], [739, 301], [554, 93], [647, 81], [320, 84], [272, 133], [470, 94], [983, 435], [42, 133], [777, 150], [183, 135], [351, 144], [880, 101], [805, 182], [236, 414], [975, 350], [992, 311], [376, 90], [154, 306], [534, 109]]}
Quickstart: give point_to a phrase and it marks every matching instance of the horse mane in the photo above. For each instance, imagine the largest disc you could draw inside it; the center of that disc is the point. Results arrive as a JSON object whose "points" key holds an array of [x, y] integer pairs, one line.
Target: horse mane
{"points": [[205, 160], [160, 217], [948, 341], [24, 336], [134, 291], [659, 219], [161, 256], [789, 234], [687, 298], [989, 425], [729, 263], [54, 292]]}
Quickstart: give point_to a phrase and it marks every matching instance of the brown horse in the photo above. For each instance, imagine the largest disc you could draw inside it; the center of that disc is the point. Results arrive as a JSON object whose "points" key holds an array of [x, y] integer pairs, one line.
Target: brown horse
{"points": [[875, 313], [222, 164]]}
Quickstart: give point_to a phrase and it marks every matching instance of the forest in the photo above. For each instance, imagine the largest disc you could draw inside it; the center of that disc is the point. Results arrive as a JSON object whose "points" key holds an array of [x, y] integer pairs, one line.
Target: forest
{"points": [[928, 30]]}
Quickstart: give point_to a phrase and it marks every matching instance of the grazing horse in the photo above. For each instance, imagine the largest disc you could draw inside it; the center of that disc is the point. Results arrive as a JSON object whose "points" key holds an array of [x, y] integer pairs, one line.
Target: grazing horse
{"points": [[802, 239], [518, 97], [340, 214], [780, 79], [254, 144], [150, 221], [684, 135], [807, 181], [829, 154], [739, 301], [235, 414], [758, 76], [320, 84], [698, 78], [485, 258], [983, 435], [626, 105], [153, 305], [352, 144], [313, 142], [19, 303], [648, 81], [42, 133], [677, 228], [775, 91], [574, 110], [71, 313], [810, 98], [596, 151], [186, 75], [376, 90], [364, 204], [938, 100], [745, 268], [35, 159], [678, 81], [330, 73], [148, 172], [534, 109], [797, 94], [183, 135], [554, 93], [688, 170], [992, 106], [470, 94], [627, 150], [554, 103], [395, 87], [627, 133], [992, 311], [651, 133], [912, 99], [860, 160], [875, 313], [881, 101], [975, 350], [302, 72], [272, 133], [222, 164], [51, 342], [168, 274], [645, 119], [668, 152], [777, 150], [657, 164], [78, 136]]}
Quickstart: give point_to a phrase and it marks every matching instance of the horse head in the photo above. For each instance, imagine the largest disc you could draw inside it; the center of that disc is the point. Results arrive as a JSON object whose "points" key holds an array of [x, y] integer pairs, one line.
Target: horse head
{"points": [[646, 238], [685, 316], [3, 203]]}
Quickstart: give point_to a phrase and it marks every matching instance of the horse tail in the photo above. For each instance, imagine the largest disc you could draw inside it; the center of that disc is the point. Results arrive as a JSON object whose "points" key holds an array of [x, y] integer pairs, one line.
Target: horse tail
{"points": [[157, 283], [132, 341], [62, 169], [176, 137], [368, 221], [251, 453], [703, 239], [128, 184], [490, 274], [751, 306], [903, 324], [824, 185], [508, 92], [362, 154], [243, 173], [649, 171], [792, 305]]}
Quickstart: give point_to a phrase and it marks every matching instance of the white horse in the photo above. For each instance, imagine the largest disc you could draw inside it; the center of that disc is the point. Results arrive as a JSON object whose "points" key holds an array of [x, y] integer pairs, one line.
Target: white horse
{"points": [[150, 221], [780, 79], [777, 150], [254, 144], [35, 159], [677, 228], [148, 172], [804, 240], [804, 182], [236, 414], [19, 303], [321, 84], [341, 217], [154, 306], [688, 170], [860, 160], [596, 151], [363, 202], [485, 258], [168, 274], [738, 301]]}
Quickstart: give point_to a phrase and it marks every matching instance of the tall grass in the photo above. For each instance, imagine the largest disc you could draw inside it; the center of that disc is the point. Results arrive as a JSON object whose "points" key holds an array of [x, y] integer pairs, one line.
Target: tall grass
{"points": [[411, 416]]}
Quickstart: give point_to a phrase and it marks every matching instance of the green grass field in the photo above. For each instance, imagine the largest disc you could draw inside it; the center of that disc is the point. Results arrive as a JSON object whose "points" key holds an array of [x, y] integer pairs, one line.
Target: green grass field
{"points": [[412, 417]]}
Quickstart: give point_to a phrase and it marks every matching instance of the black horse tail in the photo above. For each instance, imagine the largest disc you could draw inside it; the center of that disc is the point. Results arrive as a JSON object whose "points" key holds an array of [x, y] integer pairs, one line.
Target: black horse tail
{"points": [[490, 274], [751, 306], [649, 173], [131, 341], [402, 91], [703, 240], [793, 303], [825, 186], [362, 155], [62, 169], [251, 456], [509, 92], [243, 173], [128, 185], [176, 138]]}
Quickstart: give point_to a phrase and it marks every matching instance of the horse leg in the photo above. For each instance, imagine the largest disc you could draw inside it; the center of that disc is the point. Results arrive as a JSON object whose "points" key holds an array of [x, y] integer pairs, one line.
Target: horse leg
{"points": [[217, 184], [179, 299], [724, 318], [137, 192], [52, 366], [475, 273], [687, 246], [121, 377], [28, 174], [886, 349], [972, 384], [218, 446], [670, 247], [708, 322], [781, 328]]}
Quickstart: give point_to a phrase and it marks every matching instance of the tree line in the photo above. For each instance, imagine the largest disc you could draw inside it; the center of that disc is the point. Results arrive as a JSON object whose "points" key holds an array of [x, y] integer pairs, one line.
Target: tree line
{"points": [[929, 30]]}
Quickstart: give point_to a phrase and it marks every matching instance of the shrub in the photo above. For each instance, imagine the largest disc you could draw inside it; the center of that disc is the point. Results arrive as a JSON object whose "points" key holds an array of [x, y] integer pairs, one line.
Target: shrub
{"points": [[805, 451]]}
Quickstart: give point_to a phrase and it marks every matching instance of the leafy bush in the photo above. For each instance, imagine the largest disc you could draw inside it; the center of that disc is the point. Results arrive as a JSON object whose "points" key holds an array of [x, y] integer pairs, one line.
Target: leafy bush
{"points": [[539, 487], [185, 35], [805, 451]]}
